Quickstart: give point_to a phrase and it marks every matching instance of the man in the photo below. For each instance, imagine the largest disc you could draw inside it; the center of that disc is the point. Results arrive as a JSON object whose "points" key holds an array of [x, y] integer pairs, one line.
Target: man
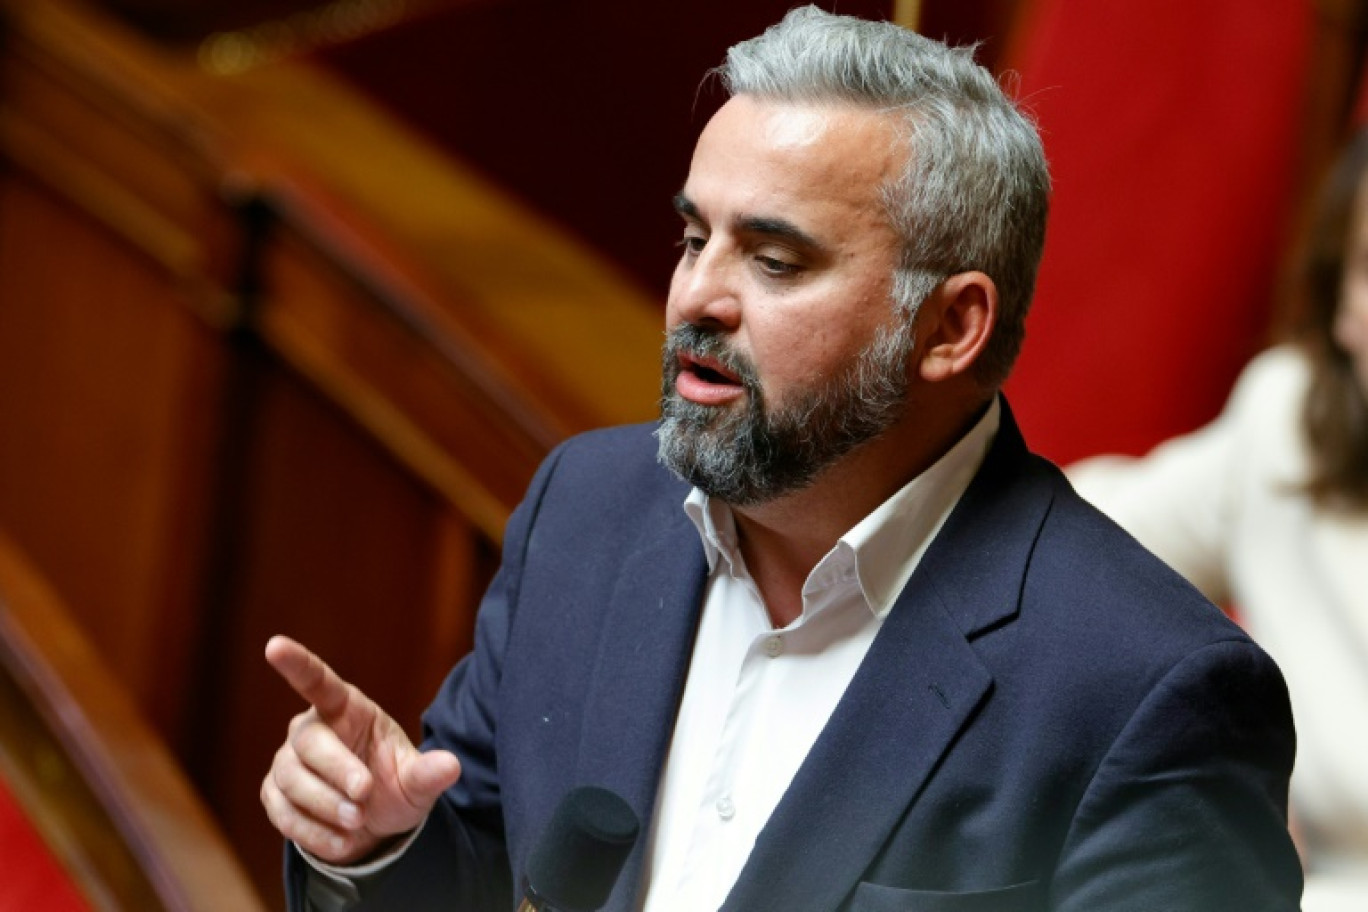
{"points": [[829, 628]]}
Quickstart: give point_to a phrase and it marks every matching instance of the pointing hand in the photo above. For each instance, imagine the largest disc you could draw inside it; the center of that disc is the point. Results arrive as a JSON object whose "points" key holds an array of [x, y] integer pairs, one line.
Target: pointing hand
{"points": [[347, 778]]}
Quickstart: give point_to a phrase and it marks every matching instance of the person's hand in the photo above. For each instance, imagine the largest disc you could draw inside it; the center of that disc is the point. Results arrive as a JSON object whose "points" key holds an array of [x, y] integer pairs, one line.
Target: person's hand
{"points": [[347, 778]]}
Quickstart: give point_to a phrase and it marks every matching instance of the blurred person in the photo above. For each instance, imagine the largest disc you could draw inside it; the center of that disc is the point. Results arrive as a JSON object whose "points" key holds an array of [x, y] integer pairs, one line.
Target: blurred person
{"points": [[1266, 510], [831, 630]]}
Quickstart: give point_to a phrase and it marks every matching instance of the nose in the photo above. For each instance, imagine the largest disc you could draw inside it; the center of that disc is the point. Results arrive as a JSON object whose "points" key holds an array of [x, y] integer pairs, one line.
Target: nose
{"points": [[704, 290]]}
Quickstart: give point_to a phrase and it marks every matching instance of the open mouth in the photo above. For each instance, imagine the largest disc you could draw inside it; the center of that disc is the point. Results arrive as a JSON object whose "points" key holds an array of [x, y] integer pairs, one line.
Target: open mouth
{"points": [[706, 380], [707, 369]]}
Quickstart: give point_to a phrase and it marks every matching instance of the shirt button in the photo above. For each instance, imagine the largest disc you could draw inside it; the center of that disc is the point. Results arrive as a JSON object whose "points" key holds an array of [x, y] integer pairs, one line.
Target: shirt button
{"points": [[774, 646], [725, 809]]}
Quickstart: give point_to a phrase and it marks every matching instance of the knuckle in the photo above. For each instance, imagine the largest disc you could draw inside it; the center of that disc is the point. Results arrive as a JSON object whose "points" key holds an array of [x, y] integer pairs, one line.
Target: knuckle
{"points": [[297, 828], [289, 828], [302, 721], [309, 740], [276, 809], [284, 771]]}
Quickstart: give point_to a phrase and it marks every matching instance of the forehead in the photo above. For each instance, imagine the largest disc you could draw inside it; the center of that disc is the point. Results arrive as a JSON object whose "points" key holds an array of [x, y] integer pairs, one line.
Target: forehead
{"points": [[766, 157]]}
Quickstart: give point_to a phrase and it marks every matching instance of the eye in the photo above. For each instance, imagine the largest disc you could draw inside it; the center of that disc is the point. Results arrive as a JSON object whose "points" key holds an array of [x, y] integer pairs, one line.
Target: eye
{"points": [[775, 267], [692, 243]]}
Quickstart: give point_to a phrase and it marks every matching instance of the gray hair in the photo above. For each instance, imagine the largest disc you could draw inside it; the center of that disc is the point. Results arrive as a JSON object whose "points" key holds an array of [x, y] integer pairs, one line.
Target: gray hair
{"points": [[975, 192]]}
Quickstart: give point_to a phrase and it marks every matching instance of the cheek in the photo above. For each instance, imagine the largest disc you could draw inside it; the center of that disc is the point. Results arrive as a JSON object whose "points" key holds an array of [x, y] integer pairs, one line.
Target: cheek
{"points": [[672, 300], [813, 339], [793, 344], [1351, 328], [1351, 322], [798, 359]]}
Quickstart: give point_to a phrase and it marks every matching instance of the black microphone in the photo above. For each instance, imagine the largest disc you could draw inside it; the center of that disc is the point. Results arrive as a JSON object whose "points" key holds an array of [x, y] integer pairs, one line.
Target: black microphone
{"points": [[581, 852]]}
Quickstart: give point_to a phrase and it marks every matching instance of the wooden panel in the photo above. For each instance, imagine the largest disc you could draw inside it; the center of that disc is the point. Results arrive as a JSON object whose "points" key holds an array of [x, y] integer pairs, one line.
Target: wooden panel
{"points": [[116, 254], [136, 160], [341, 548], [109, 392], [401, 380], [271, 363], [551, 332], [95, 780]]}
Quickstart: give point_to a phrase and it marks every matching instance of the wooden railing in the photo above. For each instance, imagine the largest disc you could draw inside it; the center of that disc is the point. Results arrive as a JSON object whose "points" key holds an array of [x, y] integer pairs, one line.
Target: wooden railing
{"points": [[100, 789], [270, 363]]}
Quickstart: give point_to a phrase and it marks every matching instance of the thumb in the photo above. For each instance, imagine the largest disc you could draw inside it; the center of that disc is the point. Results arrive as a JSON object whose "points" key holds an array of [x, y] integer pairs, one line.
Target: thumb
{"points": [[427, 775]]}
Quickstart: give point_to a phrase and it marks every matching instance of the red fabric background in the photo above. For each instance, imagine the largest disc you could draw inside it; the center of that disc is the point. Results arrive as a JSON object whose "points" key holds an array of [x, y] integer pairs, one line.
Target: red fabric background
{"points": [[1171, 129], [32, 878]]}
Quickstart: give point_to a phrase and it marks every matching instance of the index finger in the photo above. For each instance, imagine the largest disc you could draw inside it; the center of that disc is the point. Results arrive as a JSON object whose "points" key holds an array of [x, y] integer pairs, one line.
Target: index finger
{"points": [[308, 675]]}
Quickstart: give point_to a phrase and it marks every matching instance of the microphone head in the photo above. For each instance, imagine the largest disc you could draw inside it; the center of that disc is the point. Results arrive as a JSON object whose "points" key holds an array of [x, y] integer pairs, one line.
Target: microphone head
{"points": [[574, 866]]}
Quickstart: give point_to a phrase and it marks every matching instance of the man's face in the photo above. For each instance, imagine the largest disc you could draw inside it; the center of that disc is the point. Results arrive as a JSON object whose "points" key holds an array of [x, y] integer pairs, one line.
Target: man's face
{"points": [[784, 348], [1351, 318]]}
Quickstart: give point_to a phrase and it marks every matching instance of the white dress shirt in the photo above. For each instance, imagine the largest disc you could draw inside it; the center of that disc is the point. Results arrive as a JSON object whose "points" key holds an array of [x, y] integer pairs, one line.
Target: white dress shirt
{"points": [[756, 697]]}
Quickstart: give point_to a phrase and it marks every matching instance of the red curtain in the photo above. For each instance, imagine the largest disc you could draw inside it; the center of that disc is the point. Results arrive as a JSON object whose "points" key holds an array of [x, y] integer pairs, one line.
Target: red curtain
{"points": [[32, 877], [1171, 129]]}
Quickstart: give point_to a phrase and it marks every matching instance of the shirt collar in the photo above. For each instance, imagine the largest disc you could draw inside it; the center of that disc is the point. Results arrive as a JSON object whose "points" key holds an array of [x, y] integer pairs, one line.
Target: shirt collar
{"points": [[716, 527], [887, 544]]}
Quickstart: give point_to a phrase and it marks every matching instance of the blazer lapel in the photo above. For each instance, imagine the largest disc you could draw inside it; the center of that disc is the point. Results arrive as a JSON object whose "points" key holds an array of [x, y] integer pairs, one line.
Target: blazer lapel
{"points": [[643, 660], [916, 689], [899, 714]]}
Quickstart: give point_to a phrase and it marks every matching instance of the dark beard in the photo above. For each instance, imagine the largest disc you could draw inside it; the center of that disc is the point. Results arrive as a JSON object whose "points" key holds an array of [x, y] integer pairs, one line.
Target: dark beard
{"points": [[747, 453]]}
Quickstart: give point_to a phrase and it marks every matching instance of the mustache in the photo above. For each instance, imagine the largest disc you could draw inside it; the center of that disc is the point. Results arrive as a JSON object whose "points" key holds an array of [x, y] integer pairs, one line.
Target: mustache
{"points": [[698, 341]]}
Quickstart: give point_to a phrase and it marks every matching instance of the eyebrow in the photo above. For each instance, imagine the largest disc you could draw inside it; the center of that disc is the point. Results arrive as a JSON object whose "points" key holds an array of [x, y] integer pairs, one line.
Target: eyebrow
{"points": [[753, 224], [684, 206]]}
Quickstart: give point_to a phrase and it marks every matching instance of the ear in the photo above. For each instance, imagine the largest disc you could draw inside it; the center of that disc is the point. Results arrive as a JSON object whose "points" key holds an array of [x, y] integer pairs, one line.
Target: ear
{"points": [[957, 321]]}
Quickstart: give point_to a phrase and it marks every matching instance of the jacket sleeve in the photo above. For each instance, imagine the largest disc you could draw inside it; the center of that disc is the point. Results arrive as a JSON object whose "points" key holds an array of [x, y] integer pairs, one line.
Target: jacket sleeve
{"points": [[1188, 810]]}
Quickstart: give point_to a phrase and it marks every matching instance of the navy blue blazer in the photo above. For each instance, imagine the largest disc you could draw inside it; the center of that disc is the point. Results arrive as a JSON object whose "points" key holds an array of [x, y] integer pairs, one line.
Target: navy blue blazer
{"points": [[1049, 718]]}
